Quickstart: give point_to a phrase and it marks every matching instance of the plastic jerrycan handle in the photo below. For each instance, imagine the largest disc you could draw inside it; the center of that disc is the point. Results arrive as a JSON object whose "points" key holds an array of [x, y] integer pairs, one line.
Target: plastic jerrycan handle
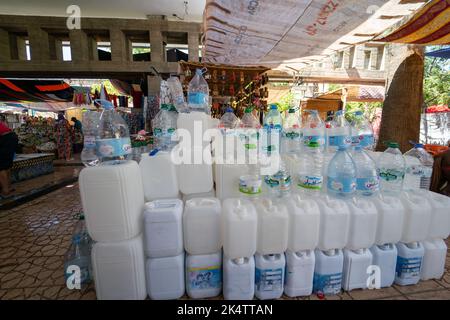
{"points": [[239, 209], [206, 202]]}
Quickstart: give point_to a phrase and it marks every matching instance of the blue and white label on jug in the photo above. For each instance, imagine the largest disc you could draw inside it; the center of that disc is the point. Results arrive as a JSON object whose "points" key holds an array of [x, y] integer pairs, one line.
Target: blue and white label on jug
{"points": [[364, 140], [89, 142], [310, 182], [269, 279], [313, 141], [408, 268], [327, 283], [342, 185], [205, 278], [336, 141], [197, 99], [113, 147], [368, 185]]}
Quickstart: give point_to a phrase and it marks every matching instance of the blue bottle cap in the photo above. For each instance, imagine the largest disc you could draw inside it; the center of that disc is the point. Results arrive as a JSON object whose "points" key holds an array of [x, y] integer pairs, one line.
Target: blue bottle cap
{"points": [[418, 145], [273, 107], [229, 109]]}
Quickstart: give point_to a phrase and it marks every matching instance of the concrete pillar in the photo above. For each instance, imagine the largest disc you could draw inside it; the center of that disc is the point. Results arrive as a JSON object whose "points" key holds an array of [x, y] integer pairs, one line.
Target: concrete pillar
{"points": [[351, 58], [346, 64], [20, 48], [193, 43], [118, 41], [381, 57], [358, 61], [55, 47], [79, 45], [39, 43], [156, 44], [5, 49], [374, 59]]}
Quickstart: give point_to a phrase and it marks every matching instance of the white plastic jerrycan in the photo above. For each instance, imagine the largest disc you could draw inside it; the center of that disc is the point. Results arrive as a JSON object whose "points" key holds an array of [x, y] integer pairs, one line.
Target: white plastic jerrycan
{"points": [[119, 269], [227, 180], [201, 226], [390, 219], [304, 223], [273, 220], [194, 123], [165, 277], [239, 228], [299, 273], [269, 276], [433, 263], [113, 201], [334, 223], [204, 275], [385, 258], [409, 263], [363, 224], [159, 176], [210, 194], [416, 225], [440, 215], [163, 228], [194, 172], [328, 271], [239, 278], [356, 265]]}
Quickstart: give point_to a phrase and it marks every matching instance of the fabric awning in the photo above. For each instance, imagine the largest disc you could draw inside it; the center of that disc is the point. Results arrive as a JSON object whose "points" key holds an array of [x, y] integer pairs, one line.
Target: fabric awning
{"points": [[429, 26], [355, 94], [31, 90], [287, 34]]}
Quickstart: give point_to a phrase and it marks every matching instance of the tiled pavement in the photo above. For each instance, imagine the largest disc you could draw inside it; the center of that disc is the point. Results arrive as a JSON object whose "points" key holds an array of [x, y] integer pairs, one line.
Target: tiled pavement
{"points": [[34, 238]]}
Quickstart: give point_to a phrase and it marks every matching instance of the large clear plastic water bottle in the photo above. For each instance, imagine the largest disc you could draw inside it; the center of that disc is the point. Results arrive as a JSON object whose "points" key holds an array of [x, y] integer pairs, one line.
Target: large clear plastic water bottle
{"points": [[198, 92], [228, 121], [307, 175], [314, 132], [164, 126], [113, 143], [341, 174], [367, 178], [90, 130], [176, 91], [419, 168], [291, 138], [338, 132], [248, 132], [270, 142], [362, 131], [279, 184], [78, 259], [391, 166]]}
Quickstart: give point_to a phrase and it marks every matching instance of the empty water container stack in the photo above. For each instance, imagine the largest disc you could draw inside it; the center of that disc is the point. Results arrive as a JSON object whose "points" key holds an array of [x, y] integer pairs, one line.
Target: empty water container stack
{"points": [[203, 269], [328, 271], [269, 276], [239, 236], [164, 249], [159, 176], [409, 263]]}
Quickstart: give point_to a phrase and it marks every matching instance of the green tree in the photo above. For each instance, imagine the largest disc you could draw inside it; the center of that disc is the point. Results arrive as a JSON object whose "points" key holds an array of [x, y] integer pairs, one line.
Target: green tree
{"points": [[436, 80]]}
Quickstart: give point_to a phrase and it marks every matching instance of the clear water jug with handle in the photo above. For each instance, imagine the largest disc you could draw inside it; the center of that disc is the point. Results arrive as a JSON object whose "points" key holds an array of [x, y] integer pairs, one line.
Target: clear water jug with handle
{"points": [[367, 178], [89, 155], [391, 167], [299, 273], [269, 276], [440, 215], [239, 278], [433, 264], [198, 93], [165, 277], [338, 132], [341, 175], [385, 257], [419, 167], [334, 223], [363, 224], [328, 271], [391, 213], [362, 131], [409, 263], [417, 221]]}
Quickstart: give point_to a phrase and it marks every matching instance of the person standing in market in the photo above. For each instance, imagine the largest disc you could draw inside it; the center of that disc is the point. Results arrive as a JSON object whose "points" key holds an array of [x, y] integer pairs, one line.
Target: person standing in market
{"points": [[8, 145], [78, 135], [64, 138]]}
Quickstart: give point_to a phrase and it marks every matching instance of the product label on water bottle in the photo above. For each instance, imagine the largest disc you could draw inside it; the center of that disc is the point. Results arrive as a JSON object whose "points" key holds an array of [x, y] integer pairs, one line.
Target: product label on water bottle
{"points": [[272, 127], [342, 185], [205, 278], [157, 132], [113, 147], [89, 142], [415, 170], [310, 182], [197, 99], [250, 185], [284, 184], [269, 279], [293, 135], [391, 175], [336, 141], [364, 140], [368, 185], [408, 268], [313, 141], [327, 283]]}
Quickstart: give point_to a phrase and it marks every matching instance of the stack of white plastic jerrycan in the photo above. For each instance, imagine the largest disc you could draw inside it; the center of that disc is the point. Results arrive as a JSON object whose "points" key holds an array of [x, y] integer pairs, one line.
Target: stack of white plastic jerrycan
{"points": [[304, 226], [270, 263], [389, 231], [164, 249], [334, 229], [362, 234], [239, 237], [416, 227], [433, 264], [203, 244], [113, 201]]}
